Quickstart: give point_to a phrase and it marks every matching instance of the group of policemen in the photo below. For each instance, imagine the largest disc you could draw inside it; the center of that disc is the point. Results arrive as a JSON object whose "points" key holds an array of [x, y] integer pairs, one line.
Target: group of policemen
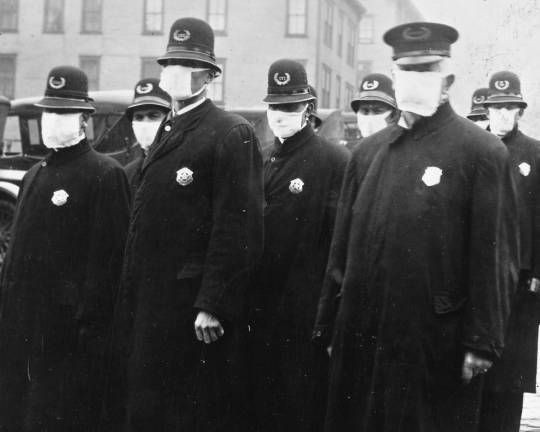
{"points": [[208, 286]]}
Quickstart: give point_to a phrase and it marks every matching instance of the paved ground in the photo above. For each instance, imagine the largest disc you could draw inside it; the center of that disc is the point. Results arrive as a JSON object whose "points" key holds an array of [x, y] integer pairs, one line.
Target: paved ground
{"points": [[530, 419]]}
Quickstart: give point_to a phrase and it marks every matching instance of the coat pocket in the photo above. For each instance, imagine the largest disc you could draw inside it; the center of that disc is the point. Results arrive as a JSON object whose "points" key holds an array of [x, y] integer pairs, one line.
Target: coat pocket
{"points": [[443, 304]]}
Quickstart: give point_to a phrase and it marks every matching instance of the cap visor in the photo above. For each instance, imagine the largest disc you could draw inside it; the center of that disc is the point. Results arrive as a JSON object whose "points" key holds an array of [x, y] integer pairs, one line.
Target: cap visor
{"points": [[64, 104], [150, 102], [477, 112], [501, 99], [190, 55], [375, 97], [421, 59], [280, 99]]}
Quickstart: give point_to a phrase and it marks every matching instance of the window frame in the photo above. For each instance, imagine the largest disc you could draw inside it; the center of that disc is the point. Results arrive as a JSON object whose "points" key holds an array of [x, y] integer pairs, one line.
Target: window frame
{"points": [[328, 25], [338, 91], [15, 11], [13, 58], [221, 62], [288, 17], [84, 57], [371, 38], [145, 30], [218, 31], [46, 7], [83, 15], [352, 36], [326, 93]]}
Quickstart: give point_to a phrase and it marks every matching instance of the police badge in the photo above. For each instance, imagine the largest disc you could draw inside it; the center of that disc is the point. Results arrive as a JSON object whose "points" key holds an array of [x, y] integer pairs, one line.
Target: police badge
{"points": [[184, 176], [296, 186], [59, 197], [524, 169], [432, 176]]}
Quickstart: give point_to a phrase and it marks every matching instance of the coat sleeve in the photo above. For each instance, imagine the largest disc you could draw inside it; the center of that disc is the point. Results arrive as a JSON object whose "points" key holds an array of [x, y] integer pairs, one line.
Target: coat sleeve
{"points": [[493, 253], [108, 231], [330, 292], [236, 239]]}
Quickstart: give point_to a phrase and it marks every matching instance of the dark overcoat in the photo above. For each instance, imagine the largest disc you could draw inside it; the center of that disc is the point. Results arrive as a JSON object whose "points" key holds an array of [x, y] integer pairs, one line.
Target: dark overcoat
{"points": [[302, 180], [134, 173], [421, 266], [59, 286], [195, 234], [516, 370]]}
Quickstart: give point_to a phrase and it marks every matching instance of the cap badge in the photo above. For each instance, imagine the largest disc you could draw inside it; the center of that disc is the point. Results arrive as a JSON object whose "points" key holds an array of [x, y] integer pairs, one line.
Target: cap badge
{"points": [[144, 88], [479, 99], [502, 85], [59, 197], [524, 169], [181, 35], [282, 80], [370, 85], [416, 33], [296, 186], [184, 176], [57, 83], [432, 176]]}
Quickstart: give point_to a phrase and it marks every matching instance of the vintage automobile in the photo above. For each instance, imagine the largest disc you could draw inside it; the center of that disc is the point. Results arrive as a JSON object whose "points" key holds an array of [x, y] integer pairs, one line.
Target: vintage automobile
{"points": [[109, 131]]}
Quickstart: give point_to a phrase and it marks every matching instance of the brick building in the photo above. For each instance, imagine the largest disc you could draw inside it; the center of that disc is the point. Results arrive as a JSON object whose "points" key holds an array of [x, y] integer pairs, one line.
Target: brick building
{"points": [[116, 42]]}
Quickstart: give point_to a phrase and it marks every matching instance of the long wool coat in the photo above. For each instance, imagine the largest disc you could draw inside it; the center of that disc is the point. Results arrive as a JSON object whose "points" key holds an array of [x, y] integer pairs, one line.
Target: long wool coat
{"points": [[422, 263], [194, 237], [516, 370], [302, 180], [58, 291]]}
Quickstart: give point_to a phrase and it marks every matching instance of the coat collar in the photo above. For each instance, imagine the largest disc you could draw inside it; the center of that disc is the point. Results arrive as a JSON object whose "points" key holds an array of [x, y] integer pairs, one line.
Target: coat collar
{"points": [[425, 126], [293, 143], [515, 133], [63, 155]]}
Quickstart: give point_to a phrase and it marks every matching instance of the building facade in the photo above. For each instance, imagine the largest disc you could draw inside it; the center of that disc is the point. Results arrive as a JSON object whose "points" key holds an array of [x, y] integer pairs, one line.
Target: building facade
{"points": [[116, 42]]}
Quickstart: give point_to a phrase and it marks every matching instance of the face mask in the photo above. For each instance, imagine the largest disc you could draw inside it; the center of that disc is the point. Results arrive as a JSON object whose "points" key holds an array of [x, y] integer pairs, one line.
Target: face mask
{"points": [[176, 80], [482, 123], [61, 130], [502, 121], [145, 132], [285, 124], [369, 124], [418, 92]]}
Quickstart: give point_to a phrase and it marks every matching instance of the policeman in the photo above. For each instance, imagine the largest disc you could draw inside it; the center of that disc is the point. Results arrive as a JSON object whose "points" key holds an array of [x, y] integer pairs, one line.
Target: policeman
{"points": [[147, 111], [479, 113], [422, 259], [195, 235], [302, 179], [515, 372], [61, 273], [375, 104]]}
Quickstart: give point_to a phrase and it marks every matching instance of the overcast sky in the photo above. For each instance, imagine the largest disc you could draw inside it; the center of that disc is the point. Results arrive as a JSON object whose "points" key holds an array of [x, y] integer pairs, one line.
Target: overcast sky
{"points": [[494, 35]]}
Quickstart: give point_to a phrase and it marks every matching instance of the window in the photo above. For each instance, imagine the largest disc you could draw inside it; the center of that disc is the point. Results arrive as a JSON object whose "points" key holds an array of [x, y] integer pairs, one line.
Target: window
{"points": [[7, 75], [217, 15], [91, 16], [150, 68], [365, 35], [351, 43], [349, 93], [326, 86], [328, 28], [216, 89], [296, 17], [53, 20], [341, 25], [364, 68], [338, 91], [12, 136], [91, 65], [153, 17], [9, 11]]}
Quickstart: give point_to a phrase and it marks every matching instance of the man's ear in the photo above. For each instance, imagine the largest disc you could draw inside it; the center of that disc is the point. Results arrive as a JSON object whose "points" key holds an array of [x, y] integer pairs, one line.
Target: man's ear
{"points": [[449, 80], [520, 113], [209, 77], [310, 108]]}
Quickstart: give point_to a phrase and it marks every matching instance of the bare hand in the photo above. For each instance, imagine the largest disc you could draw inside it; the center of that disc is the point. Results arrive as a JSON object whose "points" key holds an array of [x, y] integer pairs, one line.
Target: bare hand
{"points": [[474, 365], [329, 350], [208, 328]]}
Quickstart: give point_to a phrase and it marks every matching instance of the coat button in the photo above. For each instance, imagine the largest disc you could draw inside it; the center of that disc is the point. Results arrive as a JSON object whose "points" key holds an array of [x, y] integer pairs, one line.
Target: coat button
{"points": [[318, 333], [167, 128], [272, 159], [44, 163]]}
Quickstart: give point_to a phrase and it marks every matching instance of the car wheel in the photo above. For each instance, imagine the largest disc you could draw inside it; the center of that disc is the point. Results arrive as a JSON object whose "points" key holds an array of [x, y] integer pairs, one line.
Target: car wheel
{"points": [[7, 211]]}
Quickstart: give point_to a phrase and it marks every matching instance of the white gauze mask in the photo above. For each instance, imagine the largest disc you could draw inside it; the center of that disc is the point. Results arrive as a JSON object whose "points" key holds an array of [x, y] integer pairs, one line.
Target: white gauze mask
{"points": [[176, 80], [369, 124], [482, 123], [285, 124], [61, 130], [145, 132], [419, 92], [502, 121]]}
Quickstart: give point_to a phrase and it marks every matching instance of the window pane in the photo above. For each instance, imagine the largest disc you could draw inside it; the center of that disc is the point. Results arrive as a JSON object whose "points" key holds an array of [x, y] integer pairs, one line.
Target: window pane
{"points": [[217, 10], [12, 136], [153, 16], [7, 76], [8, 15], [366, 30], [91, 16], [54, 16], [296, 17], [90, 65]]}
